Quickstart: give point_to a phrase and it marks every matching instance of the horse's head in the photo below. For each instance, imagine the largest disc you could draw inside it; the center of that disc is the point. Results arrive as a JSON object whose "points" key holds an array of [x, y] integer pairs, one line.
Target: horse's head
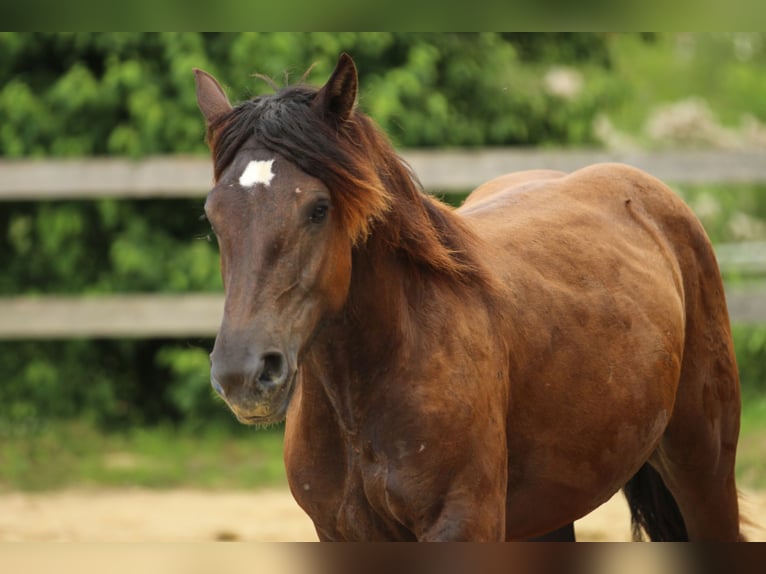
{"points": [[285, 234]]}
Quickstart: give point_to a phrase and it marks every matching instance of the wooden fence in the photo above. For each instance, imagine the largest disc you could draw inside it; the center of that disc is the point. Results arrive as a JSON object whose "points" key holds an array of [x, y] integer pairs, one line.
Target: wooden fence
{"points": [[443, 171]]}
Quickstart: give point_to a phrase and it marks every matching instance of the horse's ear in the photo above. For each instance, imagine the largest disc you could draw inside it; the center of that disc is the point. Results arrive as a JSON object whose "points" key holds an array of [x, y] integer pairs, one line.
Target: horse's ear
{"points": [[337, 97], [211, 98]]}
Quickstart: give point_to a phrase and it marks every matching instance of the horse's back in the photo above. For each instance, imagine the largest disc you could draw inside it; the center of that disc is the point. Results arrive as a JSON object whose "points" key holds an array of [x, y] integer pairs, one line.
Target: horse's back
{"points": [[575, 217], [511, 181]]}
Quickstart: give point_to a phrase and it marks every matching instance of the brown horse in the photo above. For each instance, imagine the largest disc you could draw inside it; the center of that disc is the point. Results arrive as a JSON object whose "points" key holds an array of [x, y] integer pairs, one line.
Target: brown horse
{"points": [[487, 373]]}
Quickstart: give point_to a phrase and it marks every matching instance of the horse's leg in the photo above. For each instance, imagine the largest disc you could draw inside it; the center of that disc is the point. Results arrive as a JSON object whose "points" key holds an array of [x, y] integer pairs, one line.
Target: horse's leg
{"points": [[696, 454], [564, 534], [696, 462]]}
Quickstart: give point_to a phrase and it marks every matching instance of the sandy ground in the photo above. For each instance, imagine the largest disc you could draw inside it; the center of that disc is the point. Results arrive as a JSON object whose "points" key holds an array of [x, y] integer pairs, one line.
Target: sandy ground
{"points": [[137, 515]]}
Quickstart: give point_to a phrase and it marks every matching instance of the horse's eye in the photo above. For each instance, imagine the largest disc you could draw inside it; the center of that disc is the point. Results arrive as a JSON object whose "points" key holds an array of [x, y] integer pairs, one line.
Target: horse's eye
{"points": [[319, 213]]}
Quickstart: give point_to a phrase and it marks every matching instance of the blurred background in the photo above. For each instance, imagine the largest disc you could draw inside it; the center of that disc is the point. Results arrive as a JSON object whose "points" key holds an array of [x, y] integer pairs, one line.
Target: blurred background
{"points": [[109, 285]]}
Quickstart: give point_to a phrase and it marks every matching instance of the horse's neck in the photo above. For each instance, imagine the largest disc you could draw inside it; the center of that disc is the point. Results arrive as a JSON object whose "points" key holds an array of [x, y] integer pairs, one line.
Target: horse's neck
{"points": [[378, 306], [394, 313], [369, 339], [404, 293]]}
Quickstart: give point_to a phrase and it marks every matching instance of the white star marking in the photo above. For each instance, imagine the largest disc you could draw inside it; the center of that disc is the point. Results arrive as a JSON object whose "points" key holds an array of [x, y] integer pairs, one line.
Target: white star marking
{"points": [[257, 171]]}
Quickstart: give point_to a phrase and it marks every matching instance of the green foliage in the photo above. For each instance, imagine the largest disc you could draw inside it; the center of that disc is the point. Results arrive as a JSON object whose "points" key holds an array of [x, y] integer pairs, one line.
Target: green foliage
{"points": [[475, 90], [132, 94], [727, 70], [88, 93], [729, 213], [191, 394], [112, 384], [106, 246]]}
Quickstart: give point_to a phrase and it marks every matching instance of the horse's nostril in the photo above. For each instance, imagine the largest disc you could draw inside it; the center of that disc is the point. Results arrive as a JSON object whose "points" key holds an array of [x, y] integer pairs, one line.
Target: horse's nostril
{"points": [[274, 368], [230, 379]]}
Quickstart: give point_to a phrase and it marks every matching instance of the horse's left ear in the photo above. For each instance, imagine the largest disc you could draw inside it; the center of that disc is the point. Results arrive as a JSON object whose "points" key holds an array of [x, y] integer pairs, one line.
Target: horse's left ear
{"points": [[337, 97], [211, 98]]}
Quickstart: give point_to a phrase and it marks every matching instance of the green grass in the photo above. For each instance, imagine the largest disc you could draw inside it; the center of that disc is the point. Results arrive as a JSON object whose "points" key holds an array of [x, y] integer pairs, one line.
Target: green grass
{"points": [[77, 455], [751, 454]]}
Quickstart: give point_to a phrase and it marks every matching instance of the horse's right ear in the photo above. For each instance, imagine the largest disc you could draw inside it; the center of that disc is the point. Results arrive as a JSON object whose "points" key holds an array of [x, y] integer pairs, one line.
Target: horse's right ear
{"points": [[337, 97], [211, 98]]}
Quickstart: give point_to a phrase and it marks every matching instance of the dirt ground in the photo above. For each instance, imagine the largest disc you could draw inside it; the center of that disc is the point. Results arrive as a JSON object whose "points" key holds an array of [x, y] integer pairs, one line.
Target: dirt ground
{"points": [[138, 515]]}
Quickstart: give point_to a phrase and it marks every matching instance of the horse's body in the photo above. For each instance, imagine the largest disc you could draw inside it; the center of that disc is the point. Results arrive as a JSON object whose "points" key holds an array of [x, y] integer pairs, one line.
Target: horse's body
{"points": [[489, 373]]}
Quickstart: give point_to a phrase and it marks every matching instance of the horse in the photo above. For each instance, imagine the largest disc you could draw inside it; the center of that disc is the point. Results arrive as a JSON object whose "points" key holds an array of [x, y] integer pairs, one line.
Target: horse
{"points": [[487, 373]]}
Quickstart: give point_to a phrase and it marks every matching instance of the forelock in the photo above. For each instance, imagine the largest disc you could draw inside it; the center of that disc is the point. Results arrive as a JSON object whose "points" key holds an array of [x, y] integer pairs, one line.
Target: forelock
{"points": [[285, 123]]}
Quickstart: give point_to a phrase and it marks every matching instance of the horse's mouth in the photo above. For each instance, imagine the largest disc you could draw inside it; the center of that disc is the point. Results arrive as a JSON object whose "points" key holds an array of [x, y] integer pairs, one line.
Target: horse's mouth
{"points": [[272, 412]]}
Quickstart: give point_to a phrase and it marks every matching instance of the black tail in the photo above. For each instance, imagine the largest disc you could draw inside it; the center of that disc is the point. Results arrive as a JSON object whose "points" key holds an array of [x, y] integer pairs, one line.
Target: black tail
{"points": [[653, 508]]}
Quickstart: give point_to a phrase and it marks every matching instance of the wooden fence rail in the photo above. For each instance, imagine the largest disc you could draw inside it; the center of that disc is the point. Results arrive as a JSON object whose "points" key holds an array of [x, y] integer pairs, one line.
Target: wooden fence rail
{"points": [[444, 171], [111, 316], [185, 315]]}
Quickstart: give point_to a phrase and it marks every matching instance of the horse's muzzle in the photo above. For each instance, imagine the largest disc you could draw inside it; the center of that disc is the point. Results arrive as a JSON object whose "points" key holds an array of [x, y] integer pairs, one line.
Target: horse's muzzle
{"points": [[257, 390]]}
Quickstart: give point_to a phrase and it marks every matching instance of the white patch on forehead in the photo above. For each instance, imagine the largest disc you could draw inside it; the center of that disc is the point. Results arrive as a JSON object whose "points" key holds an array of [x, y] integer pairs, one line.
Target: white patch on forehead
{"points": [[257, 171]]}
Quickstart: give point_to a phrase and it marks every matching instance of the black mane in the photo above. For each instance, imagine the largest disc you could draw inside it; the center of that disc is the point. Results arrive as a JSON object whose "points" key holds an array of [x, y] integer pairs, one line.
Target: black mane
{"points": [[369, 181], [287, 124]]}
